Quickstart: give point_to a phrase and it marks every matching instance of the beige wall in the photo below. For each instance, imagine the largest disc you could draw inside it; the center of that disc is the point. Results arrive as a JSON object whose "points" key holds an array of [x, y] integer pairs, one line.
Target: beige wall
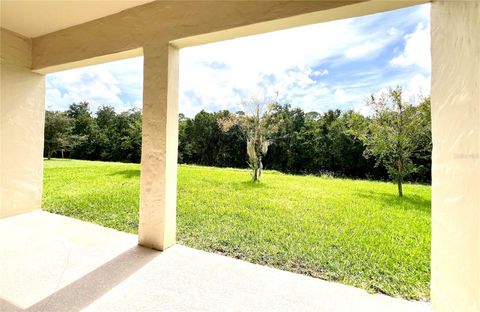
{"points": [[456, 156], [21, 127]]}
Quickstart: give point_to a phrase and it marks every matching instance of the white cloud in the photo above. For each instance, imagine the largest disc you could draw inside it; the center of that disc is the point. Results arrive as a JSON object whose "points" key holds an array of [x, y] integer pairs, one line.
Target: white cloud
{"points": [[341, 95], [363, 108], [418, 88], [301, 64], [363, 50], [319, 73], [276, 51], [417, 48], [118, 84], [289, 61], [392, 31]]}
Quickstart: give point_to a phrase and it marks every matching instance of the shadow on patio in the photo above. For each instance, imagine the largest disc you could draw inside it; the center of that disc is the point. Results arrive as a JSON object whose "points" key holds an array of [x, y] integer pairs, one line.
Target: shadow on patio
{"points": [[54, 263]]}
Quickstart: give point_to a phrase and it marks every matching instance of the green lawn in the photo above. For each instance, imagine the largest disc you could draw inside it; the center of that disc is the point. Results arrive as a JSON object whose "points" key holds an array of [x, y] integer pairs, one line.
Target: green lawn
{"points": [[352, 231]]}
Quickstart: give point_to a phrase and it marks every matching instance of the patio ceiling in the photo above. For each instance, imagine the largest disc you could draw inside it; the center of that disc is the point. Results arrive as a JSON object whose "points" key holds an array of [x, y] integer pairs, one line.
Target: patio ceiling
{"points": [[35, 18]]}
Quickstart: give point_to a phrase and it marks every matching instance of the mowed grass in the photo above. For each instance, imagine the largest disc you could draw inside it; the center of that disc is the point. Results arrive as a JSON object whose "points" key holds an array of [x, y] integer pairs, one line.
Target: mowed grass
{"points": [[351, 231]]}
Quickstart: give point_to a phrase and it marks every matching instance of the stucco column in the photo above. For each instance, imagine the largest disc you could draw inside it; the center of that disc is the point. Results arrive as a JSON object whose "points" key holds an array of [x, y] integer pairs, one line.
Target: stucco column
{"points": [[158, 183], [456, 156], [22, 117]]}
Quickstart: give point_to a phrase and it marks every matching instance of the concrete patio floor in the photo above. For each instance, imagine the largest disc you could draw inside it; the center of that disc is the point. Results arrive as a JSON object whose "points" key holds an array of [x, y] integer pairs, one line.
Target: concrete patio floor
{"points": [[54, 263]]}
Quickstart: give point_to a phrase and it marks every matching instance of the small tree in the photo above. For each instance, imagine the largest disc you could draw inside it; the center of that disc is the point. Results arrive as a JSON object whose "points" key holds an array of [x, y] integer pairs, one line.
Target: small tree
{"points": [[394, 134], [257, 128], [58, 132]]}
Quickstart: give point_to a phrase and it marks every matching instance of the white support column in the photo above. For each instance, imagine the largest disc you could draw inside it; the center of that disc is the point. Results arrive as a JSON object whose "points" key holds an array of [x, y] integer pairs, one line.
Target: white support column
{"points": [[158, 183], [456, 156]]}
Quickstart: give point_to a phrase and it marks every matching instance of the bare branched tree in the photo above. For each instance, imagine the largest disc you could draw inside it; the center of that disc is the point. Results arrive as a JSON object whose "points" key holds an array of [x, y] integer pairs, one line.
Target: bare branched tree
{"points": [[257, 128]]}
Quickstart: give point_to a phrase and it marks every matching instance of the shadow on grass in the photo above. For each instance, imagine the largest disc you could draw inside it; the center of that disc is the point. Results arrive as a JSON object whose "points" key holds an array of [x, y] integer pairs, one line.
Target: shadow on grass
{"points": [[406, 202], [249, 185], [226, 184], [128, 173]]}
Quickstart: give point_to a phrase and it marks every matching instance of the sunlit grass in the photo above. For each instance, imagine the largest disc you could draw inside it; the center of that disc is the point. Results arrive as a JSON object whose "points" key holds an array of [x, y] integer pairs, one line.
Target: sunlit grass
{"points": [[352, 231]]}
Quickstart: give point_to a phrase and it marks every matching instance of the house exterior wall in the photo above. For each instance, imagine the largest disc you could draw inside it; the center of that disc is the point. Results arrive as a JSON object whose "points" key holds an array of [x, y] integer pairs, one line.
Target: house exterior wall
{"points": [[455, 99], [21, 127]]}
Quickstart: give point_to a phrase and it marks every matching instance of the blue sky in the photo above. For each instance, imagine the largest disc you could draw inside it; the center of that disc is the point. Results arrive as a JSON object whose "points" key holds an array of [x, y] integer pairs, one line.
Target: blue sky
{"points": [[317, 67]]}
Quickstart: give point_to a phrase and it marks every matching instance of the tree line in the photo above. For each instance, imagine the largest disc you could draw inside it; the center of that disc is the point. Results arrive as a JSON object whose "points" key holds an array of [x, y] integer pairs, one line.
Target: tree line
{"points": [[106, 135], [335, 143]]}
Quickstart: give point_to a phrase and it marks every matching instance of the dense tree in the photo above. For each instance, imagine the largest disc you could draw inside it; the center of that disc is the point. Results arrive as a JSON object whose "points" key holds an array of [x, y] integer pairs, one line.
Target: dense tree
{"points": [[394, 134], [422, 157], [105, 117], [83, 128], [286, 140], [106, 135], [80, 114], [58, 133], [201, 141]]}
